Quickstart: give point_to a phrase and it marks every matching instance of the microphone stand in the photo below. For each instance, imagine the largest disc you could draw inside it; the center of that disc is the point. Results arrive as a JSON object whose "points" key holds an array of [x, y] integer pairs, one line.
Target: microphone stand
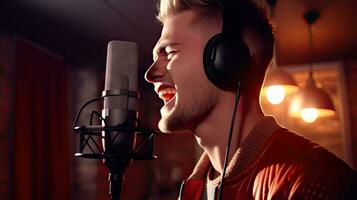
{"points": [[89, 148], [116, 169], [115, 179]]}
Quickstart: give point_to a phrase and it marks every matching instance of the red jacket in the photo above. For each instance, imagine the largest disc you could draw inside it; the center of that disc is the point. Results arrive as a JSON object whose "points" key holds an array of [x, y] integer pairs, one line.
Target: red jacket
{"points": [[274, 163]]}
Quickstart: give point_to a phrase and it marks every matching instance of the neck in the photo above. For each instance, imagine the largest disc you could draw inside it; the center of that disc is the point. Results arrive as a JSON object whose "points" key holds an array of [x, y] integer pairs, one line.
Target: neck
{"points": [[213, 133]]}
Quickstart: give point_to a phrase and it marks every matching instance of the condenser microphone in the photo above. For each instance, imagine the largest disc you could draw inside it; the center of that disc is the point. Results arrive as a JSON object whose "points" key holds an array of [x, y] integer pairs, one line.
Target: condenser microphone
{"points": [[119, 138], [120, 108]]}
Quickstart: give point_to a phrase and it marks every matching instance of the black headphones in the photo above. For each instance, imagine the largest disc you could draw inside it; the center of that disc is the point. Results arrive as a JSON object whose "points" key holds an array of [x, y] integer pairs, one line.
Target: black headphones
{"points": [[226, 57]]}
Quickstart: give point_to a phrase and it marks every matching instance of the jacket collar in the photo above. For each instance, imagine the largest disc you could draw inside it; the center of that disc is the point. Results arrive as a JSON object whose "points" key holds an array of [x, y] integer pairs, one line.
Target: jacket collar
{"points": [[245, 154]]}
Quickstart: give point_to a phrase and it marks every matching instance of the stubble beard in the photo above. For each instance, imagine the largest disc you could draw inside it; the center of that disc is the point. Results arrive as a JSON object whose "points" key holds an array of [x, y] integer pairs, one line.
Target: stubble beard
{"points": [[193, 107]]}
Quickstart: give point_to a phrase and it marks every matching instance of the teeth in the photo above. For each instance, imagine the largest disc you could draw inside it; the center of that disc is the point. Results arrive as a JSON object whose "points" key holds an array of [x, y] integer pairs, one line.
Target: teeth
{"points": [[167, 91], [167, 94]]}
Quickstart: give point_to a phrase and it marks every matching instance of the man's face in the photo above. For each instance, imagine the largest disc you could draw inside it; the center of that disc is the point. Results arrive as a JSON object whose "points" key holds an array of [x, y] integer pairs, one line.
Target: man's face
{"points": [[178, 75]]}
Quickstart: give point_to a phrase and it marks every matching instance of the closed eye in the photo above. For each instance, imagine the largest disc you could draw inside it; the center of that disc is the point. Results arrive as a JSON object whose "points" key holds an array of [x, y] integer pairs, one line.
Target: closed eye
{"points": [[170, 55]]}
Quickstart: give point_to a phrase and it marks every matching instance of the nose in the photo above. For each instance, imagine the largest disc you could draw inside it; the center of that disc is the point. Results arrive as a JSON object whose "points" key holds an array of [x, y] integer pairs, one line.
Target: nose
{"points": [[156, 72]]}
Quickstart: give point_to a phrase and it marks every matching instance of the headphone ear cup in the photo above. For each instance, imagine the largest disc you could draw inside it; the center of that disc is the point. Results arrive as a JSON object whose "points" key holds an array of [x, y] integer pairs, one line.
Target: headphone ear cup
{"points": [[209, 54], [226, 61]]}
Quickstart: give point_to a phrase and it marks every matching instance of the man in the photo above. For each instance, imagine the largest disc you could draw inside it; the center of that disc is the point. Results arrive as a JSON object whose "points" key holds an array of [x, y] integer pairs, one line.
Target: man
{"points": [[270, 162]]}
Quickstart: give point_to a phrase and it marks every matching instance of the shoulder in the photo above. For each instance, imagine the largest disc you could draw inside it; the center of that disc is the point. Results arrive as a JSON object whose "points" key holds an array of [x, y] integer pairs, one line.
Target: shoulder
{"points": [[296, 166], [297, 150]]}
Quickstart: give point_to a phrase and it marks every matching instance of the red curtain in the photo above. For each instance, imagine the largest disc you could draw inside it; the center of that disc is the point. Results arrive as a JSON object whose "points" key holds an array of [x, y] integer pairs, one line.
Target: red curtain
{"points": [[41, 126]]}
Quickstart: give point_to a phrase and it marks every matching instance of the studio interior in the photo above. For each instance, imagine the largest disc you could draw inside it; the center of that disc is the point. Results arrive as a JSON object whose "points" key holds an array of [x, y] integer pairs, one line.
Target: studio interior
{"points": [[53, 59]]}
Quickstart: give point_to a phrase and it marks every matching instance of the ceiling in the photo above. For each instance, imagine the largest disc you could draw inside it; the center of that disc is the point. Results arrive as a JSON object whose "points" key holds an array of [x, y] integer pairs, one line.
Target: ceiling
{"points": [[79, 30], [334, 33]]}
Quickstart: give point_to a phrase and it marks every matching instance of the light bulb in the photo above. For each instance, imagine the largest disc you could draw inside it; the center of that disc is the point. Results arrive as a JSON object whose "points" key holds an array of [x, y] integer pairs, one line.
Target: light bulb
{"points": [[309, 115], [275, 94]]}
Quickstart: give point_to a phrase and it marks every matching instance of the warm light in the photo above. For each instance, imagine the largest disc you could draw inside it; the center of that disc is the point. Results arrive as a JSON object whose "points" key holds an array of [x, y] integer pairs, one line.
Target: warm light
{"points": [[309, 115], [275, 94]]}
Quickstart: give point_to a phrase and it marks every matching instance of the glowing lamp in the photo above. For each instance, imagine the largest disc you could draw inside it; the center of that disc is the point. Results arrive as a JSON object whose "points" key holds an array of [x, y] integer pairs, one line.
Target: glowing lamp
{"points": [[275, 94], [311, 102], [278, 85], [309, 115]]}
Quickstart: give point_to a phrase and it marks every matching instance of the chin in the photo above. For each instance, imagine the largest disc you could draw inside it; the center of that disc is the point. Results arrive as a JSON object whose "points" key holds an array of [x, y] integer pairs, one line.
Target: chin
{"points": [[169, 130], [172, 123], [164, 126]]}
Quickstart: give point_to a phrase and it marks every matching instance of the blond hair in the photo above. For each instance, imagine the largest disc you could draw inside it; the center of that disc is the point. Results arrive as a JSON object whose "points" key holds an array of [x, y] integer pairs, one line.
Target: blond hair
{"points": [[172, 7], [255, 18]]}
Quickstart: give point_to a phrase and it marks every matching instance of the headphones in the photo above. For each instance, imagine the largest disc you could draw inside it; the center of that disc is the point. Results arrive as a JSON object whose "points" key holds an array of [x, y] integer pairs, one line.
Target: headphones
{"points": [[226, 56]]}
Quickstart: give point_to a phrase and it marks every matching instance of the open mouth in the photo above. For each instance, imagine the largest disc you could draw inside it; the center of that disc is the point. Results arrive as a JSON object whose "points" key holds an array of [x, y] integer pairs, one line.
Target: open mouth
{"points": [[166, 94]]}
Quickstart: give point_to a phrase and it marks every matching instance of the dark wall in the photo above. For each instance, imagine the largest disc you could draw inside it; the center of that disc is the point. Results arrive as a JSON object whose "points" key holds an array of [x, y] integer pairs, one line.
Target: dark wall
{"points": [[351, 83]]}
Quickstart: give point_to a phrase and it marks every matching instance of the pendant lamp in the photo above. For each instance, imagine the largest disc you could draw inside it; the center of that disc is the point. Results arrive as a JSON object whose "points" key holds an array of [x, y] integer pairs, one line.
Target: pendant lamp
{"points": [[311, 102], [278, 83]]}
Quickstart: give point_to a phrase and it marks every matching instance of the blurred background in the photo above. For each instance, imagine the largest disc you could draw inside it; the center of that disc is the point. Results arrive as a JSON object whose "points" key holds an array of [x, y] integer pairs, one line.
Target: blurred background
{"points": [[52, 60]]}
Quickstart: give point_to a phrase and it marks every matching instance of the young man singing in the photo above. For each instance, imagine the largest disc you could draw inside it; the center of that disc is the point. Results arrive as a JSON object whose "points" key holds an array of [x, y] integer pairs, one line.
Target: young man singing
{"points": [[265, 161]]}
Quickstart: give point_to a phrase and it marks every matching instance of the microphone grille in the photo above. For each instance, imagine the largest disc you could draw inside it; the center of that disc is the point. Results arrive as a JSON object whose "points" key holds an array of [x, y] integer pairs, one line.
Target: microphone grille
{"points": [[122, 61]]}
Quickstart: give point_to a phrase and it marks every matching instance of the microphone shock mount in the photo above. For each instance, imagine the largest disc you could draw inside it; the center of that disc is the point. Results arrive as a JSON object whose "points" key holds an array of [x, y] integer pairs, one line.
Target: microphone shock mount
{"points": [[90, 137]]}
